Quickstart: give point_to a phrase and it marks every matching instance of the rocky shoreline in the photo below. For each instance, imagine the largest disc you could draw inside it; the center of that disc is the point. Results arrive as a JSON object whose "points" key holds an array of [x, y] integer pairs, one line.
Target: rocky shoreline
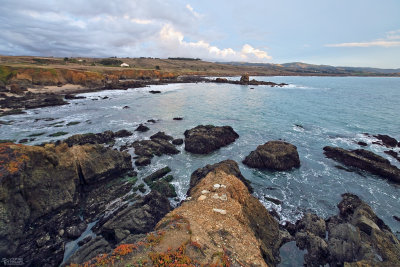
{"points": [[59, 190], [22, 92]]}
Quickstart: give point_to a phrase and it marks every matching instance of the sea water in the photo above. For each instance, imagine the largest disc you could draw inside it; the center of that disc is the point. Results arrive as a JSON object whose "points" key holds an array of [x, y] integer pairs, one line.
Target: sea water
{"points": [[311, 112]]}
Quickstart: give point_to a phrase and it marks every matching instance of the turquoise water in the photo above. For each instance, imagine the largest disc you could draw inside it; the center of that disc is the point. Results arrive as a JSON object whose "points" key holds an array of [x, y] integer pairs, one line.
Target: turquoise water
{"points": [[331, 110]]}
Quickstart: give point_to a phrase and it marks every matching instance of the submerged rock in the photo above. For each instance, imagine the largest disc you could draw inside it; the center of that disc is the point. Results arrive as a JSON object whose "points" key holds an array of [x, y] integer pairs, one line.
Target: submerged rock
{"points": [[364, 160], [205, 139], [142, 128], [274, 155]]}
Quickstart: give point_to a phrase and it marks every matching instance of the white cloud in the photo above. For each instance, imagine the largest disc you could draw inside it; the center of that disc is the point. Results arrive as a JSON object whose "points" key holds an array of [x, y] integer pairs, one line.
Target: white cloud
{"points": [[105, 28], [172, 42], [190, 8], [392, 39]]}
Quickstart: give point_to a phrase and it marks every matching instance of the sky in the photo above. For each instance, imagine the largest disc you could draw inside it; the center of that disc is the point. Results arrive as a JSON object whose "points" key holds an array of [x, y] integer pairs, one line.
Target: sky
{"points": [[363, 33]]}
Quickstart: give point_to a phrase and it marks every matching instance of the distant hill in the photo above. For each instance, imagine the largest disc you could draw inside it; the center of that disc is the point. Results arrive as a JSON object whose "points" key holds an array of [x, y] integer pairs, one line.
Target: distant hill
{"points": [[308, 69]]}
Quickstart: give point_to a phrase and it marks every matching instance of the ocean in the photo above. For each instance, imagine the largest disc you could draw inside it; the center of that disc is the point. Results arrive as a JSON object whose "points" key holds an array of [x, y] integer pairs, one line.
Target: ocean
{"points": [[311, 112]]}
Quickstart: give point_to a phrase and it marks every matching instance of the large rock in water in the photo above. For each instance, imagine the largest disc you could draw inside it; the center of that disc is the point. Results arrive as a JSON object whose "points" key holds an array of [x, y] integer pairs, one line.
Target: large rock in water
{"points": [[220, 224], [364, 160], [36, 181], [274, 155], [356, 237], [205, 139]]}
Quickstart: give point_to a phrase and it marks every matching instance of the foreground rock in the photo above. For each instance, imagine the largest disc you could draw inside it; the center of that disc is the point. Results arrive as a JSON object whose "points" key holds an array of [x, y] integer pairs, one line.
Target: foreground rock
{"points": [[205, 139], [222, 225], [45, 184], [356, 237], [274, 155], [364, 160]]}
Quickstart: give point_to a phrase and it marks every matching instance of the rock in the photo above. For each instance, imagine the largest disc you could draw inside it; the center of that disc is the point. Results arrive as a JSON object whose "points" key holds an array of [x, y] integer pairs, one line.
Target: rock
{"points": [[154, 92], [392, 153], [142, 128], [138, 218], [221, 80], [161, 135], [245, 78], [177, 142], [156, 175], [143, 161], [164, 188], [16, 89], [151, 120], [387, 140], [75, 231], [85, 240], [364, 160], [356, 237], [220, 229], [30, 101], [41, 181], [94, 247], [360, 143], [125, 107], [22, 141], [396, 218], [273, 200], [177, 118], [156, 146], [208, 138], [122, 133], [70, 97], [274, 155], [98, 138], [311, 223], [228, 166]]}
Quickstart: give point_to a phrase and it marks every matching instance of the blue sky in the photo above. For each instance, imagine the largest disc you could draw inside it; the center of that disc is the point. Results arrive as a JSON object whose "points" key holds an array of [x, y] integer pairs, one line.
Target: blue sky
{"points": [[332, 32]]}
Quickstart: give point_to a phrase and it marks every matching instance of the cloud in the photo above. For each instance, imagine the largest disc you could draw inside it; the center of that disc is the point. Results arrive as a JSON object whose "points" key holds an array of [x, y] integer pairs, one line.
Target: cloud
{"points": [[172, 42], [104, 28], [392, 39]]}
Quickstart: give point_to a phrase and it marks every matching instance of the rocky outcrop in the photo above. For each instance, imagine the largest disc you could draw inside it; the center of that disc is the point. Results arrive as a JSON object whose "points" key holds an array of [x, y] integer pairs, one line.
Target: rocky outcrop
{"points": [[43, 184], [244, 80], [364, 160], [205, 139], [30, 101], [220, 224], [356, 237], [135, 219], [386, 140], [274, 155], [159, 144], [98, 138]]}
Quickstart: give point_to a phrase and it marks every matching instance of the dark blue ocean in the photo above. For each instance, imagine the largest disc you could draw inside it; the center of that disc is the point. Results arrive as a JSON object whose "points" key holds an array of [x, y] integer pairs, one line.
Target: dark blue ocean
{"points": [[311, 112]]}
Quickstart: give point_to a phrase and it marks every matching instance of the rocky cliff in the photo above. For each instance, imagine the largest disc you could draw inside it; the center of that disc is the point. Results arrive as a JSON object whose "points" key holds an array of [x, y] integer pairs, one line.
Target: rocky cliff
{"points": [[38, 182]]}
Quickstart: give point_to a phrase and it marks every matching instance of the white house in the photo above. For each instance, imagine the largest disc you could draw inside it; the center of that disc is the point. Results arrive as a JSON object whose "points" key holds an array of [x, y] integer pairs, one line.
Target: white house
{"points": [[124, 65]]}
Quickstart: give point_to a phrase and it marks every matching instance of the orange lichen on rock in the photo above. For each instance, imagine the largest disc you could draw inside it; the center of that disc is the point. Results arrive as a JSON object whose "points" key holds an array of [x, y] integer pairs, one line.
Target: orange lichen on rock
{"points": [[11, 159]]}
